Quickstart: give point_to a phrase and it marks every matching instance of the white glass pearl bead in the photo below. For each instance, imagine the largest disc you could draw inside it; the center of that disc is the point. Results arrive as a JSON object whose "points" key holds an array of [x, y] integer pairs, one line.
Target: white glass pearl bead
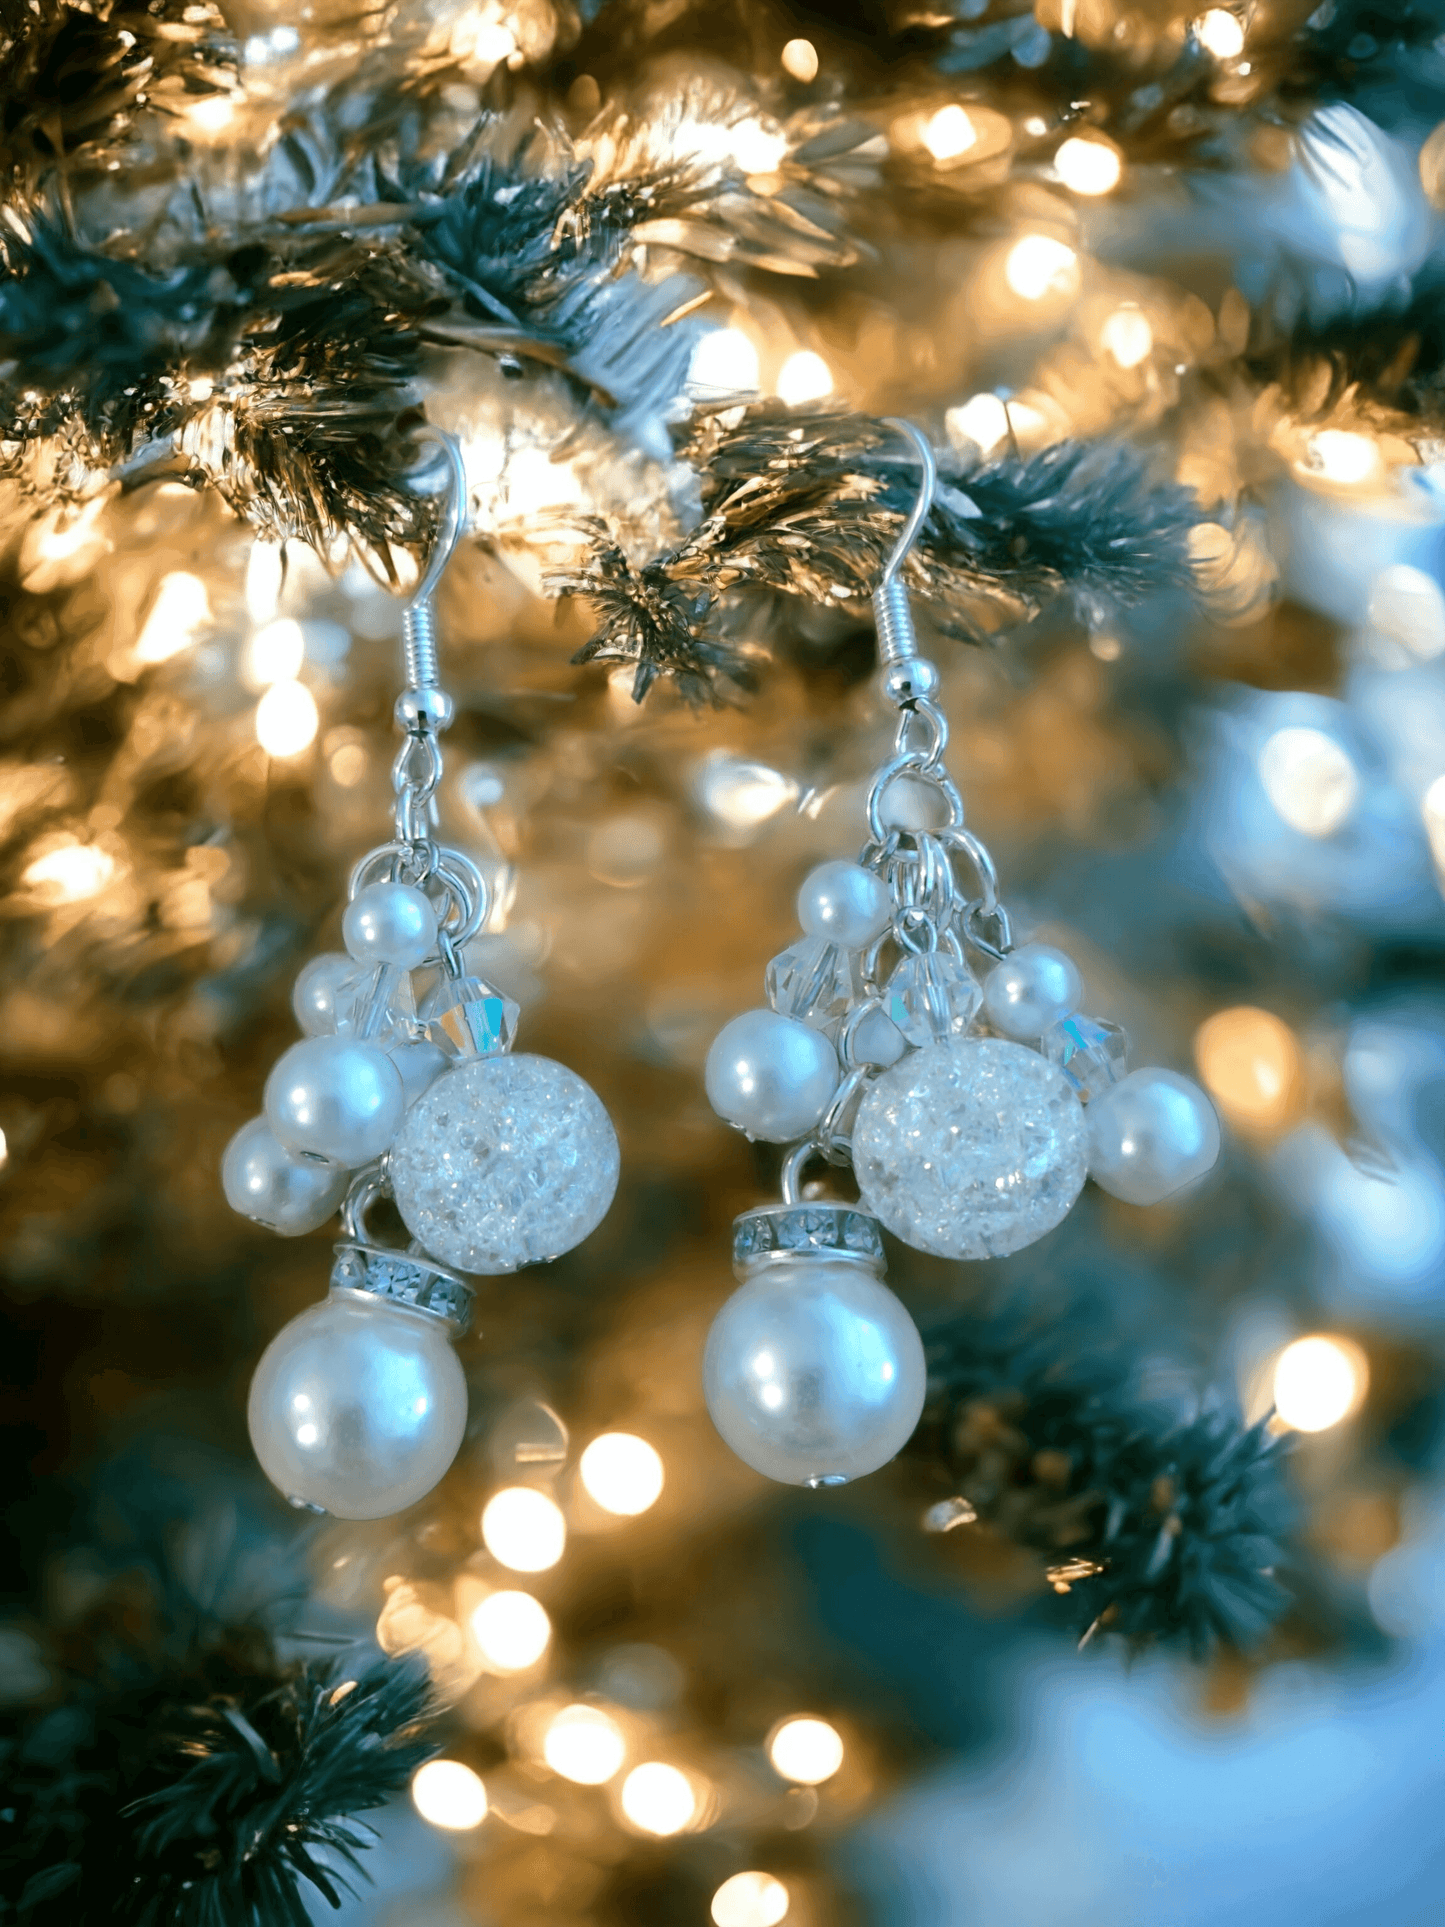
{"points": [[845, 903], [265, 1181], [335, 1099], [325, 992], [420, 1065], [1031, 989], [771, 1075], [814, 1371], [970, 1148], [390, 923], [506, 1161], [358, 1406], [1150, 1134]]}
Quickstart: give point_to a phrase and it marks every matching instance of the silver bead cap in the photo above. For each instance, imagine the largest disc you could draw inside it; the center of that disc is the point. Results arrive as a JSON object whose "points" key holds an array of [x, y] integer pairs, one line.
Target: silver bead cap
{"points": [[405, 1278], [775, 1231]]}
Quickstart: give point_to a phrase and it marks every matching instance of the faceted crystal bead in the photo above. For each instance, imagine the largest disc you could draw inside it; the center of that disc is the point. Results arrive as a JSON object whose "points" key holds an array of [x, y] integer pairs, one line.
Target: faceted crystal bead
{"points": [[932, 996], [466, 1017], [1091, 1054], [380, 1007], [814, 981]]}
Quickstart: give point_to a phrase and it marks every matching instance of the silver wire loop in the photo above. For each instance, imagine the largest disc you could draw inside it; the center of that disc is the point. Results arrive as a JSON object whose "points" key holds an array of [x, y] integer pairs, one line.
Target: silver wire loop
{"points": [[419, 650], [892, 613]]}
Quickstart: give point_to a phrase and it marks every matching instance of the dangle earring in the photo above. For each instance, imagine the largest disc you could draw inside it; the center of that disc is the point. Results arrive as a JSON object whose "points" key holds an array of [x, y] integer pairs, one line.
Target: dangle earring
{"points": [[971, 1112], [494, 1161]]}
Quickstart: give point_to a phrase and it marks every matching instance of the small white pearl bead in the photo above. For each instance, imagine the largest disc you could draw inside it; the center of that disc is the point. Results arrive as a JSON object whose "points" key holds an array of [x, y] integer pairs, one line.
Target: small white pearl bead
{"points": [[771, 1076], [390, 923], [335, 1099], [420, 1065], [845, 903], [814, 1371], [358, 1406], [1032, 988], [265, 1181], [1150, 1134], [324, 993]]}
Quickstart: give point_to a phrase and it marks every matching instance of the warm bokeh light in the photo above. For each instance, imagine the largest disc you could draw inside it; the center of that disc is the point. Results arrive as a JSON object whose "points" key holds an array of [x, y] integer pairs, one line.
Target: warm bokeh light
{"points": [[1088, 166], [800, 59], [273, 654], [622, 1473], [658, 1798], [982, 420], [1249, 1061], [804, 376], [1220, 32], [206, 119], [265, 575], [737, 793], [512, 1629], [286, 719], [69, 873], [724, 362], [949, 133], [806, 1750], [1318, 1381], [584, 1744], [750, 1900], [1127, 336], [1039, 265], [524, 1529], [450, 1795], [1340, 455], [1309, 779], [4, 1150], [178, 614]]}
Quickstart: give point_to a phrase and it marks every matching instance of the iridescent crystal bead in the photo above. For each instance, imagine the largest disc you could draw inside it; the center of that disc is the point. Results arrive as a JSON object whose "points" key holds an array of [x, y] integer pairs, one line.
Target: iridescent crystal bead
{"points": [[814, 981], [1091, 1054], [466, 1017], [932, 995]]}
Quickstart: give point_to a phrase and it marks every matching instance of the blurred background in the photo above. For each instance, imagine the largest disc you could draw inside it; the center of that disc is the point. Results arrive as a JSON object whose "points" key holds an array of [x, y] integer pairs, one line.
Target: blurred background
{"points": [[670, 1692]]}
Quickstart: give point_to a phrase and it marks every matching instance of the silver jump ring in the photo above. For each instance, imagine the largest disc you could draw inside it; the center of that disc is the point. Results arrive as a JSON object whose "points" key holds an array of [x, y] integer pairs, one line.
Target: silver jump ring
{"points": [[958, 838], [909, 762]]}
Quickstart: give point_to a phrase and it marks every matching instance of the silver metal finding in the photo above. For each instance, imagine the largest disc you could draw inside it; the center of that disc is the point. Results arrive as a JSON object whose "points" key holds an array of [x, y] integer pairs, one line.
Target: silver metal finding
{"points": [[418, 639], [897, 638]]}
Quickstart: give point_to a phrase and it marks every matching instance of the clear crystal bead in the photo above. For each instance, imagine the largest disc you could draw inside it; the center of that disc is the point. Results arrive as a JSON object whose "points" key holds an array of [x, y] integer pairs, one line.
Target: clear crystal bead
{"points": [[814, 981], [466, 1017], [1091, 1054], [377, 1004], [932, 996]]}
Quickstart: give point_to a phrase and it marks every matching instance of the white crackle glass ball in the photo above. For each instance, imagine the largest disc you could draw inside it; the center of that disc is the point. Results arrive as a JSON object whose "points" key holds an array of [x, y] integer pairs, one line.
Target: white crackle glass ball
{"points": [[358, 1406], [265, 1181], [771, 1075], [1032, 988], [335, 1099], [845, 903], [814, 1371], [1151, 1134], [390, 923], [970, 1148], [325, 992], [504, 1162]]}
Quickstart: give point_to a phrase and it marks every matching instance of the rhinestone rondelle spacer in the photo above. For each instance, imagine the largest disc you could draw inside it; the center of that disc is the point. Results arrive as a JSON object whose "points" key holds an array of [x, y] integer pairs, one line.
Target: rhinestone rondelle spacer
{"points": [[406, 1278], [782, 1230]]}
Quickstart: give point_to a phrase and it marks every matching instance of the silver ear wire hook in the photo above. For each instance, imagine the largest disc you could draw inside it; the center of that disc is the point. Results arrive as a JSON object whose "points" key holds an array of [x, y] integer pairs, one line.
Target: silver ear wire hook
{"points": [[907, 675], [422, 701]]}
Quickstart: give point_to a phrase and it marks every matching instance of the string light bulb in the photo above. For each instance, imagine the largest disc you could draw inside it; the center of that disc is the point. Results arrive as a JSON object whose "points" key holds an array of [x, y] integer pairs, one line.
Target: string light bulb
{"points": [[1038, 265], [1310, 780], [1220, 33], [524, 1529], [949, 133], [1341, 455], [982, 420], [804, 376], [622, 1472], [658, 1798], [448, 1794], [806, 1750], [800, 59], [750, 1900], [585, 1745], [512, 1630], [70, 873], [1127, 336], [724, 362], [1319, 1381], [1088, 166], [274, 654], [286, 719], [1249, 1060], [178, 614]]}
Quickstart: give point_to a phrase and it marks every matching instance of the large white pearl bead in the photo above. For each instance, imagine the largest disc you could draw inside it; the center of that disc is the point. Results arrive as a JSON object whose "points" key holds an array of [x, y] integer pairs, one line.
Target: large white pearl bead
{"points": [[390, 923], [771, 1076], [970, 1148], [844, 903], [1032, 988], [505, 1161], [335, 1099], [1150, 1134], [265, 1181], [814, 1371], [358, 1406], [325, 992]]}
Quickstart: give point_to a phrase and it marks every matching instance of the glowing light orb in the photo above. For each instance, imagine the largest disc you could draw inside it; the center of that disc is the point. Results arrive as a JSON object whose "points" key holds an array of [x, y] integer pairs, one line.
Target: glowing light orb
{"points": [[1088, 166], [512, 1629], [181, 609], [622, 1473], [1309, 779], [658, 1798], [450, 1795], [982, 419], [286, 719], [1340, 455], [949, 133], [806, 1751], [71, 873], [585, 1745], [1038, 265], [724, 362], [1319, 1381], [750, 1900], [800, 59], [1220, 32], [1249, 1060], [804, 376], [524, 1529], [1127, 336]]}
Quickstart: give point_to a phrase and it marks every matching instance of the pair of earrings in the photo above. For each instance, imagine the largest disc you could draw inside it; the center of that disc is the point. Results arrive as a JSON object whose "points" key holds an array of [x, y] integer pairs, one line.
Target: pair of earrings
{"points": [[971, 1112]]}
